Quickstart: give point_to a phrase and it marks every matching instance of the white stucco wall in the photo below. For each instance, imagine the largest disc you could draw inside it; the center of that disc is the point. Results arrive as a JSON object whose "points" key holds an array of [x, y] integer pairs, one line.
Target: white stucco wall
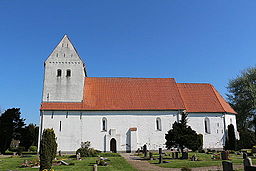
{"points": [[76, 129], [63, 88], [81, 126]]}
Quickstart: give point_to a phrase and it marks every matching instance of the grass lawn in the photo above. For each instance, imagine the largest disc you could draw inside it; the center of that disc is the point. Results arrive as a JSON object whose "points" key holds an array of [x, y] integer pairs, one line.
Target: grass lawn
{"points": [[116, 163], [205, 161]]}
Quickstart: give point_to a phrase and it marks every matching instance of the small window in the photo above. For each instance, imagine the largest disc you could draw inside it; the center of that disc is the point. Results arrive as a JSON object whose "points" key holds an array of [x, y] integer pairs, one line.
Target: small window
{"points": [[60, 126], [218, 125], [59, 73], [207, 125], [158, 124], [68, 73], [104, 124]]}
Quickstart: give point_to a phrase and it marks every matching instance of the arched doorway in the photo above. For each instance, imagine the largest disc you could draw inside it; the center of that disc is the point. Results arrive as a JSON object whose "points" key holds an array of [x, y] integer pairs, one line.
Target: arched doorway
{"points": [[113, 145]]}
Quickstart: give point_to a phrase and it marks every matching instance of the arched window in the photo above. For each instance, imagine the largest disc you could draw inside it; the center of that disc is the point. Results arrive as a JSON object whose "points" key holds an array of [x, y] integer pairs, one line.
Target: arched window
{"points": [[68, 73], [158, 124], [59, 73], [207, 125], [104, 124]]}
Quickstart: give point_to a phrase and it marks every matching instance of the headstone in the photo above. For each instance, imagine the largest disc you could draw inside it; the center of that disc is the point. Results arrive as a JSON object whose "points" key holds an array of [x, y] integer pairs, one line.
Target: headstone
{"points": [[244, 155], [64, 163], [160, 156], [224, 155], [95, 167], [145, 151], [78, 156], [250, 168], [247, 162], [173, 155], [184, 155], [151, 156], [176, 155], [227, 166], [254, 149], [194, 158]]}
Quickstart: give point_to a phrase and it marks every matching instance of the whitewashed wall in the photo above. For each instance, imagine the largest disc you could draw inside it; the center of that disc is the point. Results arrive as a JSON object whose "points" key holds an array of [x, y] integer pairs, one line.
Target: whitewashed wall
{"points": [[88, 127], [77, 127]]}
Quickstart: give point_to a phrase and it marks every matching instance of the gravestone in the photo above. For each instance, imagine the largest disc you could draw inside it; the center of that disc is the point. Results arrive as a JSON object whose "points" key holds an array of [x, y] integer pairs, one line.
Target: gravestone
{"points": [[227, 166], [244, 155], [194, 158], [184, 155], [78, 156], [224, 155], [151, 156], [176, 155], [173, 155], [160, 156], [247, 162], [95, 167], [145, 151]]}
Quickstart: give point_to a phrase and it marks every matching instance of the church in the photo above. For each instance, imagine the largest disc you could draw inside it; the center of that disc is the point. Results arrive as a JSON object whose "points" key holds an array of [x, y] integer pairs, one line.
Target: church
{"points": [[121, 114]]}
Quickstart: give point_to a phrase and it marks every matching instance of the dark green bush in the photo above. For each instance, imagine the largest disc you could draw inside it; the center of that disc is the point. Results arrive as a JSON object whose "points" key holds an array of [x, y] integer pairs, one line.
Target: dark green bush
{"points": [[87, 152], [20, 150], [48, 149], [33, 148]]}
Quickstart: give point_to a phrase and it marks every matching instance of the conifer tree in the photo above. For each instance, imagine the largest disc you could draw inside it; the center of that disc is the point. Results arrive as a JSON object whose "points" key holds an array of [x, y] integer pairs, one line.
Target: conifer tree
{"points": [[183, 136], [231, 138], [48, 149]]}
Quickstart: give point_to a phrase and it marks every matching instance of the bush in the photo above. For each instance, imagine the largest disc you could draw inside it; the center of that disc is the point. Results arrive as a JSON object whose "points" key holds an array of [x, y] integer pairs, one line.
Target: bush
{"points": [[33, 148], [48, 149], [20, 150], [87, 152]]}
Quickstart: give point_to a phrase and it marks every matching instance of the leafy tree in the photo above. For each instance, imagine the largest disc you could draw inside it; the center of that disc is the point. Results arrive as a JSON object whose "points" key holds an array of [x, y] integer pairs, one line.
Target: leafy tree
{"points": [[247, 139], [10, 127], [242, 97], [48, 149], [29, 136], [231, 141], [182, 136]]}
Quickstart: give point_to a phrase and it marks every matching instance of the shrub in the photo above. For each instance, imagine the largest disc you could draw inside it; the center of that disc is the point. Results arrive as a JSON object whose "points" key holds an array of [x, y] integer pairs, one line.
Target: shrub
{"points": [[20, 150], [87, 152], [33, 148], [48, 149], [185, 169]]}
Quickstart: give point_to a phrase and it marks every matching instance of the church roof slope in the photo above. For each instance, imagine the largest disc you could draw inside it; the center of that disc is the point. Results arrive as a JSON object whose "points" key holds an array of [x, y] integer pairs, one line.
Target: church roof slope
{"points": [[125, 94], [203, 98]]}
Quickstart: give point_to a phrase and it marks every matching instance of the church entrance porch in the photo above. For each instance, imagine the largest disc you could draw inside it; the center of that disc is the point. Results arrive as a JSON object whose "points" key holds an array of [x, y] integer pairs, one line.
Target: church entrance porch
{"points": [[113, 145]]}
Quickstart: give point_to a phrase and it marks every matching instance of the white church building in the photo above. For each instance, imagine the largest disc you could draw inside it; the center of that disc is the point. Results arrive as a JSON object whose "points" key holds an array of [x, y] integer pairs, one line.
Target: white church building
{"points": [[122, 114]]}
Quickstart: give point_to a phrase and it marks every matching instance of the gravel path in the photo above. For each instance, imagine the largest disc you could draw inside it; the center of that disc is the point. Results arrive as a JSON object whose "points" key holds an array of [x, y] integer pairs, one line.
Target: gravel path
{"points": [[143, 165]]}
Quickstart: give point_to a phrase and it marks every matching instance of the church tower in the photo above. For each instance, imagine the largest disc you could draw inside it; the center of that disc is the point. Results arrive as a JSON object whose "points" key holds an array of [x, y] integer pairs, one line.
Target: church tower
{"points": [[64, 73]]}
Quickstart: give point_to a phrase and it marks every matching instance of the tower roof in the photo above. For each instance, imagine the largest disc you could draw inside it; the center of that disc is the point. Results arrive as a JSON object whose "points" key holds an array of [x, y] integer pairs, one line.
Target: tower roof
{"points": [[64, 51]]}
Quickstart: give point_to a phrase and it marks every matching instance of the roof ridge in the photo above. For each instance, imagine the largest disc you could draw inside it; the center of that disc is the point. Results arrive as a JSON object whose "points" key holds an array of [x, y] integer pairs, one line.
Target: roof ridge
{"points": [[133, 77], [213, 88]]}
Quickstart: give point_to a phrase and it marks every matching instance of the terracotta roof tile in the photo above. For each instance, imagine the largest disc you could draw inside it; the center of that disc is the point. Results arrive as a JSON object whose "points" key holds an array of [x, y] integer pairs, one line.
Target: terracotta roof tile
{"points": [[203, 98], [125, 94]]}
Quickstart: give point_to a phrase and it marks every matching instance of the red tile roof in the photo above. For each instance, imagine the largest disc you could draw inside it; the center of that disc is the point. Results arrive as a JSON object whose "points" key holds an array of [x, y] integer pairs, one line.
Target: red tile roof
{"points": [[203, 98], [125, 94], [145, 94]]}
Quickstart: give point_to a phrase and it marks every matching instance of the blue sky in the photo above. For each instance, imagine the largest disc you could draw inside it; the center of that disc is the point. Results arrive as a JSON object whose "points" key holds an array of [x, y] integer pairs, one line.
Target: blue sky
{"points": [[191, 41]]}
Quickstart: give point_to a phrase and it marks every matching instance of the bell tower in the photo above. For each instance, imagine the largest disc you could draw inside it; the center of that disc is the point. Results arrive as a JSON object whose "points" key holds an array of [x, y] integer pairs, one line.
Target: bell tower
{"points": [[64, 73]]}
